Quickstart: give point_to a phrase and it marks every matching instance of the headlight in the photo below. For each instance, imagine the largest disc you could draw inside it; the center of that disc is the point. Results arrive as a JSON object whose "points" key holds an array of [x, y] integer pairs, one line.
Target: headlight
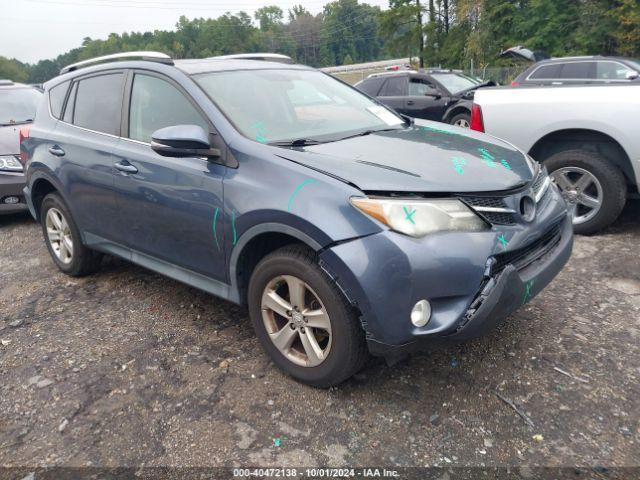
{"points": [[418, 218], [10, 164]]}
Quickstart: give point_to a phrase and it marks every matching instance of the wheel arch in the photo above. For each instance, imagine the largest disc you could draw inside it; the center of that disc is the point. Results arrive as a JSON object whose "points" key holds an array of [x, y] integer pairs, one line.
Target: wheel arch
{"points": [[587, 140], [41, 186], [255, 244], [455, 110]]}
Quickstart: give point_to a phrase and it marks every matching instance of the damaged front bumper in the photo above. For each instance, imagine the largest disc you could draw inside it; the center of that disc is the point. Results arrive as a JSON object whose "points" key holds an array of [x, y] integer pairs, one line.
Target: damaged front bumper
{"points": [[471, 284]]}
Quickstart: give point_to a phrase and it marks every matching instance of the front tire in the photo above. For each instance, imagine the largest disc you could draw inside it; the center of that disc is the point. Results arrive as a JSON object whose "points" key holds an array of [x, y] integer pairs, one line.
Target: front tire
{"points": [[303, 320], [63, 239], [593, 187]]}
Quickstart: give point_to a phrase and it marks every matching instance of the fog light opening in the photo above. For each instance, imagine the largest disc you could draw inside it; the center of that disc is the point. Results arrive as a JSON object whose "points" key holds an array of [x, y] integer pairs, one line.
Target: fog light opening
{"points": [[11, 200], [421, 313]]}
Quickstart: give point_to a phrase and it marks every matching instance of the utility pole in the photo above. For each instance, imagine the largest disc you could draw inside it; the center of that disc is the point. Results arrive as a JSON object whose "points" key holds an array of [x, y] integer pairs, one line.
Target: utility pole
{"points": [[420, 33]]}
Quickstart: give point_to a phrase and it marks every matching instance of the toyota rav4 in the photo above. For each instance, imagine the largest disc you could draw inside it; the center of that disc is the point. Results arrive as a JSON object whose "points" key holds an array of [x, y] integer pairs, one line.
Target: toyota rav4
{"points": [[345, 228]]}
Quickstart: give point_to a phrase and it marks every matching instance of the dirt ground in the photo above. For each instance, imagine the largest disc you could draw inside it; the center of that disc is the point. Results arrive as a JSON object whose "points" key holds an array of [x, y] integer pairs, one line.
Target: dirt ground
{"points": [[127, 368]]}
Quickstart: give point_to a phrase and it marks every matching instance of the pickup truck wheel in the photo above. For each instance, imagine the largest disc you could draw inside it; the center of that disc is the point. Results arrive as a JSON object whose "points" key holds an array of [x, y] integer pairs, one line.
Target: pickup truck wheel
{"points": [[594, 189], [461, 120], [63, 239], [303, 320]]}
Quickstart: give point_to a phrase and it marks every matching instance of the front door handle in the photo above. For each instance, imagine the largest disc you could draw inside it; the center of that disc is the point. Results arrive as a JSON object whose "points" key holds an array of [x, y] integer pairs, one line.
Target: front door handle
{"points": [[126, 167], [56, 150], [410, 102]]}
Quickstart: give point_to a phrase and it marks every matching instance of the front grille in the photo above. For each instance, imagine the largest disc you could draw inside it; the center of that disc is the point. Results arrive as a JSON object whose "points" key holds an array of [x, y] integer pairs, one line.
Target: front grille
{"points": [[495, 218], [523, 257]]}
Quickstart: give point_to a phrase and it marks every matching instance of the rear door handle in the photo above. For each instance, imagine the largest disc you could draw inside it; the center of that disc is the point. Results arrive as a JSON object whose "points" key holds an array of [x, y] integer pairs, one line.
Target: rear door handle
{"points": [[56, 150], [126, 167], [410, 102]]}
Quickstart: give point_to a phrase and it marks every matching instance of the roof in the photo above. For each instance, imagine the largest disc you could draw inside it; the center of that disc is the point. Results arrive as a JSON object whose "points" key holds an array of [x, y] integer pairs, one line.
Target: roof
{"points": [[193, 67]]}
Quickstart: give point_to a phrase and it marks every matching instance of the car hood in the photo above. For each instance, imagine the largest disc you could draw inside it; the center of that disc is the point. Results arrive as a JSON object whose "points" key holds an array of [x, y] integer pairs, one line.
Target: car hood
{"points": [[10, 139], [423, 158]]}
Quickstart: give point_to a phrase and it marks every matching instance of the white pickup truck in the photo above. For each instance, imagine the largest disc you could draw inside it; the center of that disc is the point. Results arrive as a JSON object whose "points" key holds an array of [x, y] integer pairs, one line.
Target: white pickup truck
{"points": [[587, 136]]}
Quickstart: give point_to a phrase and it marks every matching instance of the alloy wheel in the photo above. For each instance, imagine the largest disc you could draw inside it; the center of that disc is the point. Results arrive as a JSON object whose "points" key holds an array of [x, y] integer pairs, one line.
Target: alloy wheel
{"points": [[462, 122], [296, 321], [59, 235], [582, 191]]}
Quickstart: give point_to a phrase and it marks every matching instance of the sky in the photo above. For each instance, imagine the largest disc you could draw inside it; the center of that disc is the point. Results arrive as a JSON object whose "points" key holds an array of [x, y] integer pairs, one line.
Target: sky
{"points": [[33, 30]]}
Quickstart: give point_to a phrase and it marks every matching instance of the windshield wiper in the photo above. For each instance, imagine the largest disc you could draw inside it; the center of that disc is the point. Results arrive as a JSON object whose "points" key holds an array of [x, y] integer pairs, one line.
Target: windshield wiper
{"points": [[369, 132], [298, 142]]}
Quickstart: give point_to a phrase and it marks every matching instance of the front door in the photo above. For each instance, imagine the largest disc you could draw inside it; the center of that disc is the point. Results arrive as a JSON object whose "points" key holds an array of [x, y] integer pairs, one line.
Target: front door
{"points": [[171, 207], [424, 100]]}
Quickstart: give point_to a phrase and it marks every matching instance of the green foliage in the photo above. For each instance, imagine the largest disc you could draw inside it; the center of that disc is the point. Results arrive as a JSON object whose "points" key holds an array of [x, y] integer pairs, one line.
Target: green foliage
{"points": [[450, 33]]}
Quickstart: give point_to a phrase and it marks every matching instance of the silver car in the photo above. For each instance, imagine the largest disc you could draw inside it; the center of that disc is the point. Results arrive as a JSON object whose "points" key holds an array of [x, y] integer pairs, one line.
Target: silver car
{"points": [[18, 104]]}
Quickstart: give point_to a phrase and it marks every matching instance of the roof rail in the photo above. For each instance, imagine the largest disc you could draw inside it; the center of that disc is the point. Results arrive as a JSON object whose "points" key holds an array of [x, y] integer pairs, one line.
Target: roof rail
{"points": [[268, 57], [148, 56]]}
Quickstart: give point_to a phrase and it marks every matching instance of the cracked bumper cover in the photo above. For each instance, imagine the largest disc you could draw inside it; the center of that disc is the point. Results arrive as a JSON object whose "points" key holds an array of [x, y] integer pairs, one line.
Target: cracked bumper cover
{"points": [[388, 273]]}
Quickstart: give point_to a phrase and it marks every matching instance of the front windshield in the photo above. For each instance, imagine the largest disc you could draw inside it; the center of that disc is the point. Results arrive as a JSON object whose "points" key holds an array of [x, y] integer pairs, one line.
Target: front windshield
{"points": [[281, 105], [453, 82], [18, 105]]}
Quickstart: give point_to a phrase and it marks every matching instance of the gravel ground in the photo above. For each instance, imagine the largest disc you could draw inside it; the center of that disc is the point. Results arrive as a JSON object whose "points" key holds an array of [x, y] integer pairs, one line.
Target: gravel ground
{"points": [[127, 368]]}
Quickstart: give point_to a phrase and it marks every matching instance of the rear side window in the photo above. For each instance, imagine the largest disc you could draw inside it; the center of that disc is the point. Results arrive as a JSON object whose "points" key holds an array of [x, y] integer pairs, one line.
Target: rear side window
{"points": [[98, 103], [394, 87], [155, 104], [371, 86], [577, 71], [56, 98], [546, 72]]}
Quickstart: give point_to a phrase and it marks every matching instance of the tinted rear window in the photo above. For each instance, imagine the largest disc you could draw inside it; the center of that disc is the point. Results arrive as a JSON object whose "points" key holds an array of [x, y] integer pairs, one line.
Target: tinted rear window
{"points": [[18, 105], [56, 98], [577, 70], [394, 87], [99, 103], [546, 72], [371, 86]]}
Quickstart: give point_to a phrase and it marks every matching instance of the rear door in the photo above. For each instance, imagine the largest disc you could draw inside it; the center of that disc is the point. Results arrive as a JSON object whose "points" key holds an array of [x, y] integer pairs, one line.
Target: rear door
{"points": [[420, 101], [83, 142], [171, 208], [393, 92]]}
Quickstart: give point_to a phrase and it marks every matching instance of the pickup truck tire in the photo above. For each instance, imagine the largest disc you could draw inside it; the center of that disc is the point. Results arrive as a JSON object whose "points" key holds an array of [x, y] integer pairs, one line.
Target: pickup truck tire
{"points": [[461, 120], [291, 299], [613, 187]]}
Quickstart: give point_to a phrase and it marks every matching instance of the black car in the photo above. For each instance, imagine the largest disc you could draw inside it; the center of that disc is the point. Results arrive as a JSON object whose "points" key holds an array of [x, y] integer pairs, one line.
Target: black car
{"points": [[440, 95], [574, 70]]}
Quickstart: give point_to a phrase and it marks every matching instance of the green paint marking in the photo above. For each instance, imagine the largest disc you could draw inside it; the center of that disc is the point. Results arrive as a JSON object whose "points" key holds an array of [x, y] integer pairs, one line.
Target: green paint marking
{"points": [[308, 181], [527, 291], [260, 132], [505, 164], [409, 215], [233, 227], [486, 154], [503, 241], [215, 223], [458, 164], [438, 130]]}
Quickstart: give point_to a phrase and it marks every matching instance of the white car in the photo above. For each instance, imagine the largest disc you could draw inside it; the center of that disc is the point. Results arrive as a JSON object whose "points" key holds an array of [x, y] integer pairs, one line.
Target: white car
{"points": [[587, 136]]}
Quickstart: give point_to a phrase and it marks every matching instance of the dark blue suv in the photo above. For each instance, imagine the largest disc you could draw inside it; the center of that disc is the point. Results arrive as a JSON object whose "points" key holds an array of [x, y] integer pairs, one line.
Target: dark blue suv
{"points": [[344, 228]]}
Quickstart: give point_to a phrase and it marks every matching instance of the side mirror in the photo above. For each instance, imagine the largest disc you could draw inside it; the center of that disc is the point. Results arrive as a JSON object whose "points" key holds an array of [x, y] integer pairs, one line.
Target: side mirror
{"points": [[432, 92], [182, 141], [632, 75]]}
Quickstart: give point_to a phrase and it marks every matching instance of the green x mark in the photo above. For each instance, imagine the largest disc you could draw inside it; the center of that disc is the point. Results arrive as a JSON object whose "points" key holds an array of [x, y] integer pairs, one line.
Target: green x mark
{"points": [[527, 291], [503, 241], [409, 215]]}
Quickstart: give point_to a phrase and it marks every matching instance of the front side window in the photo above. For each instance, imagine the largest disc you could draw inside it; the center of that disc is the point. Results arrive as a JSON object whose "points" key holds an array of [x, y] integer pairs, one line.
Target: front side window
{"points": [[98, 103], [18, 105], [156, 104], [418, 87], [275, 105], [611, 71]]}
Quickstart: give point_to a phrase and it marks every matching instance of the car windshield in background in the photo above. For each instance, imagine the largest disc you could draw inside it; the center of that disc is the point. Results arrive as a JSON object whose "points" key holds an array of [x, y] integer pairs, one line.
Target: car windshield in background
{"points": [[18, 105], [273, 106], [453, 82]]}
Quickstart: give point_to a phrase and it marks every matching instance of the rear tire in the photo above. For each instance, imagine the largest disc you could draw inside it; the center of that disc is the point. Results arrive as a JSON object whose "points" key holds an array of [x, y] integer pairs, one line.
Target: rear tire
{"points": [[63, 239], [609, 187], [340, 338], [461, 120]]}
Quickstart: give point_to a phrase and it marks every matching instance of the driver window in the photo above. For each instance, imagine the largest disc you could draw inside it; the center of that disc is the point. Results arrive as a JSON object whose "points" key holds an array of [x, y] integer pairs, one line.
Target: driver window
{"points": [[155, 104], [418, 87], [611, 71]]}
